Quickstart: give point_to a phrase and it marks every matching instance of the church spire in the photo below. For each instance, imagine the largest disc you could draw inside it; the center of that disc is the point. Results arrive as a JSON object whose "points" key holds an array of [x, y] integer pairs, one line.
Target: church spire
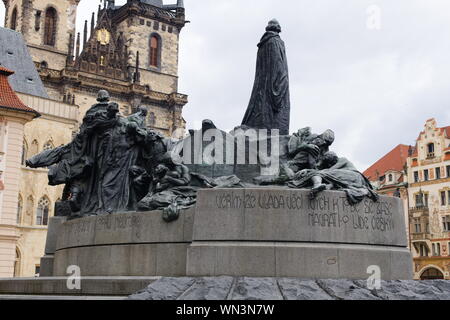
{"points": [[71, 47], [92, 24], [85, 33], [77, 52]]}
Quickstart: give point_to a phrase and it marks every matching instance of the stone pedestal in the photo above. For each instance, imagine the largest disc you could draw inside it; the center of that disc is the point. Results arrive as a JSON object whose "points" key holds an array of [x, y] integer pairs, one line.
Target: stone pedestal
{"points": [[244, 232], [47, 261], [282, 233], [127, 244]]}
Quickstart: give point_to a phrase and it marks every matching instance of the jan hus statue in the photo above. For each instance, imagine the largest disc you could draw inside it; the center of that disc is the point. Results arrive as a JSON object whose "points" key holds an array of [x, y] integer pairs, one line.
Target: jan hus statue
{"points": [[269, 106]]}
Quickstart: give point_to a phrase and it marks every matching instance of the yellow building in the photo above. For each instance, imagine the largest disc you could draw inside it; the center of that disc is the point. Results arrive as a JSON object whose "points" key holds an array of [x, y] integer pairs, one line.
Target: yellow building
{"points": [[33, 204], [429, 196], [13, 117], [420, 175], [129, 50]]}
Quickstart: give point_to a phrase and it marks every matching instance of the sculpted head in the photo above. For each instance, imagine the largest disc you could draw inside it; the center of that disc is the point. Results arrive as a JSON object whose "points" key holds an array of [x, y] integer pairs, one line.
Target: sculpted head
{"points": [[330, 159], [305, 132], [143, 111], [153, 135], [113, 109], [274, 25], [103, 96], [161, 170], [328, 137]]}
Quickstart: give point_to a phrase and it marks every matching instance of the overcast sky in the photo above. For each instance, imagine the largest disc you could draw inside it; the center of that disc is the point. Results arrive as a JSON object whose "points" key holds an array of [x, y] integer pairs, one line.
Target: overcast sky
{"points": [[374, 87]]}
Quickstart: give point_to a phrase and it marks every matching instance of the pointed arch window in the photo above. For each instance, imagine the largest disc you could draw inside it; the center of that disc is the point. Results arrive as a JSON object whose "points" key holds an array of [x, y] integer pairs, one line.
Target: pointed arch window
{"points": [[152, 119], [34, 150], [17, 263], [29, 209], [14, 19], [42, 212], [19, 210], [50, 26], [155, 51], [24, 152]]}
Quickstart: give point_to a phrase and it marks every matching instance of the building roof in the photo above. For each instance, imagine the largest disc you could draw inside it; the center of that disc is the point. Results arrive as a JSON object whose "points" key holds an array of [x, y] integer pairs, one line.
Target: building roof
{"points": [[394, 160], [14, 56], [447, 131], [8, 98]]}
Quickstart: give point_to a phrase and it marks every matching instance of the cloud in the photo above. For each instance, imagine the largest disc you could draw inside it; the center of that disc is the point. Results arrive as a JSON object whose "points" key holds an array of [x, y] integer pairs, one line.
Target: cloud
{"points": [[375, 88]]}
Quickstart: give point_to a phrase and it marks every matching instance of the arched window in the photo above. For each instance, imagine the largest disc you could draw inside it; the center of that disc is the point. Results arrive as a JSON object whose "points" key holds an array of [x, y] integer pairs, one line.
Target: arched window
{"points": [[432, 274], [17, 263], [390, 178], [14, 19], [151, 119], [24, 152], [42, 212], [50, 27], [28, 220], [34, 150], [19, 209], [430, 149], [48, 146], [155, 50], [44, 64]]}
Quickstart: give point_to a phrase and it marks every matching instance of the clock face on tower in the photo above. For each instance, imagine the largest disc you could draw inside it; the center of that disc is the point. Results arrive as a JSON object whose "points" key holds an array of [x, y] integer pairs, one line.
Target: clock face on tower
{"points": [[103, 36]]}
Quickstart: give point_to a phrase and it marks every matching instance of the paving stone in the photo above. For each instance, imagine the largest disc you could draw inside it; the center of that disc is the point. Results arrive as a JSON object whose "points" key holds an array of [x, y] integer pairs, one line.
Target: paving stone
{"points": [[228, 288], [297, 289], [346, 290], [165, 289], [256, 289], [209, 289]]}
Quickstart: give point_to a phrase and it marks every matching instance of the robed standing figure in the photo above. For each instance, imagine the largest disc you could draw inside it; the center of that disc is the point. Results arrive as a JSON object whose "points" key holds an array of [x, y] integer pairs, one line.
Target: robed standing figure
{"points": [[269, 106]]}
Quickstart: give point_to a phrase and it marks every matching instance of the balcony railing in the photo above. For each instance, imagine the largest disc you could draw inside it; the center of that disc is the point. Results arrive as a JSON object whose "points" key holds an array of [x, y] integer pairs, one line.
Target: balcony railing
{"points": [[420, 236], [422, 210]]}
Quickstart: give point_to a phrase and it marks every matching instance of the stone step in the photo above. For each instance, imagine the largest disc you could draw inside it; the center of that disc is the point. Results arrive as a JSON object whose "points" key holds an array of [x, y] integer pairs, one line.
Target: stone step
{"points": [[90, 286]]}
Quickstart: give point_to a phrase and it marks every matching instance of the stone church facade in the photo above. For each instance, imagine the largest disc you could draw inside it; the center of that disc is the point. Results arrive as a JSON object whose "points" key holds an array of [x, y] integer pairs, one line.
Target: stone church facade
{"points": [[129, 50]]}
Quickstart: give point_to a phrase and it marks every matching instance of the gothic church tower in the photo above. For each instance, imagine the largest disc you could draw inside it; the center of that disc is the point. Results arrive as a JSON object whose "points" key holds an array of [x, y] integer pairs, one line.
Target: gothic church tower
{"points": [[130, 50], [48, 28]]}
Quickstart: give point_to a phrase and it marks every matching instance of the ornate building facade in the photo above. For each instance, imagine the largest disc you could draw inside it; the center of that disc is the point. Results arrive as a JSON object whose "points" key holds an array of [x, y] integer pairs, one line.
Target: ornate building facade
{"points": [[129, 50], [14, 114], [33, 203], [429, 196], [424, 186]]}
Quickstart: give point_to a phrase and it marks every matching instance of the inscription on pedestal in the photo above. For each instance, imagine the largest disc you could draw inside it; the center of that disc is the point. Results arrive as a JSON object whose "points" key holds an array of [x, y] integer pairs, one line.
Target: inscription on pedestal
{"points": [[322, 212], [290, 215]]}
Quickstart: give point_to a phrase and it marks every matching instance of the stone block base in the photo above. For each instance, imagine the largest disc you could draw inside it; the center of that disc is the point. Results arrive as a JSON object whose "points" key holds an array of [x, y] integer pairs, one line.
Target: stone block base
{"points": [[297, 260]]}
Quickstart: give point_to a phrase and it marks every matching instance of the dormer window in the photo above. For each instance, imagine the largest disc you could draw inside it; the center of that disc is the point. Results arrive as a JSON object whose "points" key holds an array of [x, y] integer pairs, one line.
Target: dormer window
{"points": [[390, 178]]}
